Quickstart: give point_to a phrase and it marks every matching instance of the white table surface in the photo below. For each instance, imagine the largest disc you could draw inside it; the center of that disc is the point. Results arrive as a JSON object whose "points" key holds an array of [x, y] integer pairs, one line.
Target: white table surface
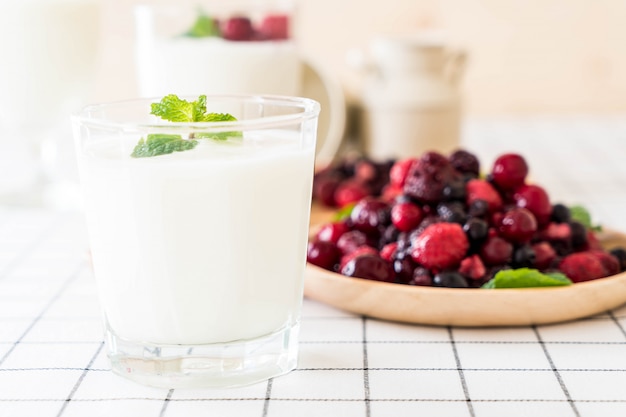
{"points": [[52, 359]]}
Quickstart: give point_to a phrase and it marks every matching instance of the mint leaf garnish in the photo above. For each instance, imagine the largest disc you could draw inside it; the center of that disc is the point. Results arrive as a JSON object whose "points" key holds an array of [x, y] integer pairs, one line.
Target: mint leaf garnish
{"points": [[582, 216], [344, 212], [160, 144], [203, 27], [174, 109], [526, 278]]}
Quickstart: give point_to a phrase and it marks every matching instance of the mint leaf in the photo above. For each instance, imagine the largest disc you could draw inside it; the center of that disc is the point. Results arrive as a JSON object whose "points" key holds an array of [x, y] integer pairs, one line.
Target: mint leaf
{"points": [[526, 278], [174, 109], [161, 144], [219, 135], [582, 216], [344, 212], [203, 27]]}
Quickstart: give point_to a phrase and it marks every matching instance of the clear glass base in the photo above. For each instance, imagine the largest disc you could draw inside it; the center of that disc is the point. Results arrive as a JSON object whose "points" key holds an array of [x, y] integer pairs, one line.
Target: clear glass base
{"points": [[217, 365]]}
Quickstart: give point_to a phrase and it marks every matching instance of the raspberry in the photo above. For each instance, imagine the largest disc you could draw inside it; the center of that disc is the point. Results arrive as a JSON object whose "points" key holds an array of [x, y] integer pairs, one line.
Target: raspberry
{"points": [[400, 170], [582, 266], [406, 216], [535, 199], [482, 190], [472, 267], [509, 171], [518, 225], [275, 27], [556, 231], [238, 29], [440, 246]]}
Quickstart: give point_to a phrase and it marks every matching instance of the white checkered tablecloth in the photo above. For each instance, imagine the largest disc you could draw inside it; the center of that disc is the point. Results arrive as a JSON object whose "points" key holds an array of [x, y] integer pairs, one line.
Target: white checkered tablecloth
{"points": [[52, 360]]}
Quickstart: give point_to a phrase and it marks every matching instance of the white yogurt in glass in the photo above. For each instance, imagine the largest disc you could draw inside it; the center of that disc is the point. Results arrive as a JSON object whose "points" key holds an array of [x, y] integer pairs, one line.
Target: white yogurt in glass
{"points": [[201, 246]]}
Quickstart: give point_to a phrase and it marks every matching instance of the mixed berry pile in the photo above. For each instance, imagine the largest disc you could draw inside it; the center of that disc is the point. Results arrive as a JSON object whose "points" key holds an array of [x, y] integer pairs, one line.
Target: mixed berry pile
{"points": [[270, 27], [433, 221]]}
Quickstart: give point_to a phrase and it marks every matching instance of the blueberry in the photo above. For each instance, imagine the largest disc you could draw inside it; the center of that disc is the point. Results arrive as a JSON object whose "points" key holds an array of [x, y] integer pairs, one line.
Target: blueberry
{"points": [[476, 230], [450, 279], [452, 212], [478, 208], [455, 190], [560, 213], [523, 257], [620, 254], [579, 234]]}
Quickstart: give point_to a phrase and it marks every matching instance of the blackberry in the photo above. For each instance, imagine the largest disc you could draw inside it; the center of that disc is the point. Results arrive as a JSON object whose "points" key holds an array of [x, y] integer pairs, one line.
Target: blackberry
{"points": [[476, 230], [465, 162], [579, 235], [455, 190], [523, 257], [478, 208], [620, 254], [452, 212]]}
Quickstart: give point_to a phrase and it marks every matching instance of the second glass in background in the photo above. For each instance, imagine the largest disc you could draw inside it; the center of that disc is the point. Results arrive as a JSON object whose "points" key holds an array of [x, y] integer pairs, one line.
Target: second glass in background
{"points": [[217, 48]]}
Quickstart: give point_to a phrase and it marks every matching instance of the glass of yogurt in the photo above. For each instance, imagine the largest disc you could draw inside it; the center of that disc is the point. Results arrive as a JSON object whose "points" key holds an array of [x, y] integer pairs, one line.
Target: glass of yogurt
{"points": [[218, 47], [199, 255]]}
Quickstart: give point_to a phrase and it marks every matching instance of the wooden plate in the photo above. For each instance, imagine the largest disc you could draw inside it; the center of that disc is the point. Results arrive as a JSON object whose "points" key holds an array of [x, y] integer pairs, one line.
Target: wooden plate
{"points": [[469, 307]]}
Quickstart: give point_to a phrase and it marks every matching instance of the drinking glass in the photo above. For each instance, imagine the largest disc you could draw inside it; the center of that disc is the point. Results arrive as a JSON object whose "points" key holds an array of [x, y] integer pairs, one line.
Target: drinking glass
{"points": [[199, 254]]}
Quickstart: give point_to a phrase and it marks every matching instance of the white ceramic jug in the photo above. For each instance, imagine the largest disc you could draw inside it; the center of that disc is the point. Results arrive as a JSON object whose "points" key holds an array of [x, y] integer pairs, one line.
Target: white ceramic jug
{"points": [[411, 101]]}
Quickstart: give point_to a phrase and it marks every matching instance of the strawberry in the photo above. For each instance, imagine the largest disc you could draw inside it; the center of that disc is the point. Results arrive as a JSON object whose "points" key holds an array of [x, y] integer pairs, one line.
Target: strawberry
{"points": [[440, 246], [482, 190], [611, 263], [582, 266], [556, 231], [472, 267], [399, 171], [388, 251]]}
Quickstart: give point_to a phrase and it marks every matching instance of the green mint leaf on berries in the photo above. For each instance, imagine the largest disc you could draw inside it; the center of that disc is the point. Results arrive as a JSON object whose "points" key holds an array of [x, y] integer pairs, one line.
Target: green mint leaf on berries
{"points": [[526, 278], [582, 216], [344, 212], [161, 144], [203, 27]]}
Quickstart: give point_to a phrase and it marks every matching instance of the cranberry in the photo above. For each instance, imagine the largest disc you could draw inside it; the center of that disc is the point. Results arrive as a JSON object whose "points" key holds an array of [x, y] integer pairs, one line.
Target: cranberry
{"points": [[369, 267], [406, 216], [350, 191], [544, 255], [369, 214], [496, 251], [238, 29], [352, 240], [518, 225], [324, 188], [331, 232], [535, 199], [509, 171], [323, 254]]}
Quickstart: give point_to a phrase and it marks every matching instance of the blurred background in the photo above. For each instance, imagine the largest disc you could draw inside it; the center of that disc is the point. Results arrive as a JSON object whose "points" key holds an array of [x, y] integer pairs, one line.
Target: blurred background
{"points": [[525, 56], [548, 69]]}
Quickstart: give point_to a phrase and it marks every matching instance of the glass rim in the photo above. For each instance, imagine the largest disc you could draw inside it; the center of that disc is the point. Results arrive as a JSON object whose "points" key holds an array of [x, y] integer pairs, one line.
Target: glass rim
{"points": [[310, 110]]}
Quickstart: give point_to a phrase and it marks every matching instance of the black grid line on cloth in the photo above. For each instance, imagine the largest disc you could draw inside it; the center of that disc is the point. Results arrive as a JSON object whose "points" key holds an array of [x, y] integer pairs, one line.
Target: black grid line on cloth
{"points": [[617, 323], [166, 402], [268, 395], [556, 372], [73, 276], [80, 380], [459, 368], [366, 375]]}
